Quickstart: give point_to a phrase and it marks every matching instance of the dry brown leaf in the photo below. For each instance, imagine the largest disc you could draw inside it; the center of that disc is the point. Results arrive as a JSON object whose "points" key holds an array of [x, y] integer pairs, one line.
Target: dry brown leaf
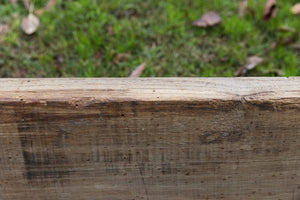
{"points": [[296, 9], [270, 10], [50, 4], [138, 71], [253, 61], [251, 64], [243, 7], [30, 24], [208, 19], [13, 1]]}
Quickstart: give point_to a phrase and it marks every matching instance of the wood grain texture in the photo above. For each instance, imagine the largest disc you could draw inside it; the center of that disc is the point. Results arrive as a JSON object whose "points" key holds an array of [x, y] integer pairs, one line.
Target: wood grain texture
{"points": [[151, 139]]}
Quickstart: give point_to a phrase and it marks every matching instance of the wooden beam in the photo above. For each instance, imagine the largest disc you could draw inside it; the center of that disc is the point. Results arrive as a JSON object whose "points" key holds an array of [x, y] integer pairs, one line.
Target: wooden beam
{"points": [[152, 139]]}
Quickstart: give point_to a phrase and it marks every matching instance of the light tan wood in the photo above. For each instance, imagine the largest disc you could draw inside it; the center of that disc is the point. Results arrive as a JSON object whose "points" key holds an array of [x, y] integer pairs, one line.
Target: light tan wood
{"points": [[152, 139]]}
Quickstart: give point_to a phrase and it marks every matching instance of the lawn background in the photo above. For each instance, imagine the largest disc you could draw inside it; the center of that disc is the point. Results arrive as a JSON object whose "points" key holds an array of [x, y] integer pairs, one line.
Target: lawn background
{"points": [[110, 38]]}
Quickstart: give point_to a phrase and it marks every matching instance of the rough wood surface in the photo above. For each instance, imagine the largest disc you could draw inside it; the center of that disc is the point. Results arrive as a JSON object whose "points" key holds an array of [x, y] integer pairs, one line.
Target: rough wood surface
{"points": [[151, 139]]}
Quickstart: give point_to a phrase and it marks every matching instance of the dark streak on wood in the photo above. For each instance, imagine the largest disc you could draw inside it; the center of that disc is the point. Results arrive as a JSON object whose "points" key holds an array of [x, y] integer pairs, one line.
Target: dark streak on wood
{"points": [[39, 165]]}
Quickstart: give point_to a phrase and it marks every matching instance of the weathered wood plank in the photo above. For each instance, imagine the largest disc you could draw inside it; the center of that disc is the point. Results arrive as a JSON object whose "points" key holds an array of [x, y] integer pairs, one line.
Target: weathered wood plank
{"points": [[162, 138]]}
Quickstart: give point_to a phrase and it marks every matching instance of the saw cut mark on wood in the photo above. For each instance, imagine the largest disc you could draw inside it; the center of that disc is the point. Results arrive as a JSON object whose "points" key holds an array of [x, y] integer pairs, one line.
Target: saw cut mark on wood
{"points": [[150, 138]]}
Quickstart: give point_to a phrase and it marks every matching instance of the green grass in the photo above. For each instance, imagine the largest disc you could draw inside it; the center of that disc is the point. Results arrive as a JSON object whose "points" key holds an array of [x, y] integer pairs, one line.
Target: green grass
{"points": [[109, 38]]}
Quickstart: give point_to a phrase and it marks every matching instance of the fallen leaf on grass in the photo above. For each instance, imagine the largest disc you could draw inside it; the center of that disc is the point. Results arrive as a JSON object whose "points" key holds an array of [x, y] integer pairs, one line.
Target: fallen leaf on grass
{"points": [[296, 9], [208, 19], [253, 61], [270, 10], [251, 64], [30, 24], [138, 71], [243, 7]]}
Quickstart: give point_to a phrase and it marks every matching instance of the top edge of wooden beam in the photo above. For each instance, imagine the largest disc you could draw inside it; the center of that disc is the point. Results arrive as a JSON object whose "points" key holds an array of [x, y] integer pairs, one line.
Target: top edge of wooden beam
{"points": [[151, 89]]}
